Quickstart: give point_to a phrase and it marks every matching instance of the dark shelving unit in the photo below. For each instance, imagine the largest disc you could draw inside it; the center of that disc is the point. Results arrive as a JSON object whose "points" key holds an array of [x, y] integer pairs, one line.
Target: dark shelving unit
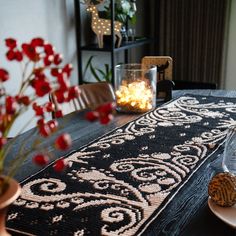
{"points": [[125, 46]]}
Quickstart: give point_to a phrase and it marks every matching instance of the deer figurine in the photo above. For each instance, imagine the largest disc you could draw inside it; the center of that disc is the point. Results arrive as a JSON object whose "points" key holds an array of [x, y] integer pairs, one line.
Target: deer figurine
{"points": [[103, 26]]}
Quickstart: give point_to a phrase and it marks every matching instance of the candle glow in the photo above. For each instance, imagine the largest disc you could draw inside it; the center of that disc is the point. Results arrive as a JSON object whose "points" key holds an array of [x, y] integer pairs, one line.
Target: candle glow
{"points": [[135, 96]]}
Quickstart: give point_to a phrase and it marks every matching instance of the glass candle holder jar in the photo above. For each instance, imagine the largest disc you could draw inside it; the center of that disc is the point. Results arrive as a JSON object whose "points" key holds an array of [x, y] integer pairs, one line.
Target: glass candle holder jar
{"points": [[135, 87], [229, 157]]}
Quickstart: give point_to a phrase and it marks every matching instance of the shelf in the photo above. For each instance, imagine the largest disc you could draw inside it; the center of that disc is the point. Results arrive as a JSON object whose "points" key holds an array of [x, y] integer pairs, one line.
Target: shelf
{"points": [[108, 47], [125, 45]]}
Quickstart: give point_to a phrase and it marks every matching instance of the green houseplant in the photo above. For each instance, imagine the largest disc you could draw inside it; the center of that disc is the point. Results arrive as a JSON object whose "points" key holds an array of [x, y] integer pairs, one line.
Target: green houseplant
{"points": [[99, 74]]}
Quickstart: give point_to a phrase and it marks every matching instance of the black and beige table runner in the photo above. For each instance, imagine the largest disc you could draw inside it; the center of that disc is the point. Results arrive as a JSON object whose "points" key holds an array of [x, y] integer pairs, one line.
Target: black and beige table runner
{"points": [[121, 182]]}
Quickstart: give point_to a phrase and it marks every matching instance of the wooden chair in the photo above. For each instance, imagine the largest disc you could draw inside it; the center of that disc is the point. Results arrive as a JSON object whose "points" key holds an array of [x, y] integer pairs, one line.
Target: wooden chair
{"points": [[92, 95], [164, 66]]}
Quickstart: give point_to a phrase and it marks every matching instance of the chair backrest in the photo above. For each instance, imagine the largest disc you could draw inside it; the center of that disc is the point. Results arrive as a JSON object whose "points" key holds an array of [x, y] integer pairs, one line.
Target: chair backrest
{"points": [[183, 84], [164, 66], [91, 96]]}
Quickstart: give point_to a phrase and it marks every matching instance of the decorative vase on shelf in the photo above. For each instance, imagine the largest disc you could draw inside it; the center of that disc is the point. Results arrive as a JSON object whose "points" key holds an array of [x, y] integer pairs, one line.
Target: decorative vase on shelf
{"points": [[10, 194]]}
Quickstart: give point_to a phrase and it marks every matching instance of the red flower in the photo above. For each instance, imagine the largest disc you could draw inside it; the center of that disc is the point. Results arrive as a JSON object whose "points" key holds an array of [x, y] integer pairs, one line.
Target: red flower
{"points": [[58, 114], [14, 55], [73, 92], [67, 69], [55, 71], [50, 107], [45, 130], [4, 75], [36, 42], [41, 159], [42, 87], [48, 49], [39, 110], [38, 72], [30, 52], [40, 122], [11, 43], [58, 59], [18, 56], [11, 105], [92, 115], [40, 56], [23, 100], [105, 119], [11, 55], [63, 142], [60, 96], [106, 108], [60, 165], [63, 82], [53, 125], [48, 60]]}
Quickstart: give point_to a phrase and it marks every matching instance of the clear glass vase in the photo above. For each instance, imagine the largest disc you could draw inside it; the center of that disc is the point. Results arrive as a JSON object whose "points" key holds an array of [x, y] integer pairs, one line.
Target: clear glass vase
{"points": [[135, 87], [229, 158]]}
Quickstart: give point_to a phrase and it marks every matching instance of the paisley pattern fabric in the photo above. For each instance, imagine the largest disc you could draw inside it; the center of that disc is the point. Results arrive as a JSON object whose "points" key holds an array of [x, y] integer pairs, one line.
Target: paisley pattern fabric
{"points": [[119, 183]]}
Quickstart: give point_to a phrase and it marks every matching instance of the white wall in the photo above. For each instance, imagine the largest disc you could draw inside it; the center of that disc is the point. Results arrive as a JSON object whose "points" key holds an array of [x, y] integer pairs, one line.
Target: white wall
{"points": [[231, 52], [25, 19]]}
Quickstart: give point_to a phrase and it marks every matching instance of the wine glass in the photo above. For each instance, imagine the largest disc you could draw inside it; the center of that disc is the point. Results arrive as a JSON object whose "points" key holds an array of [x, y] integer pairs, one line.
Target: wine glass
{"points": [[229, 157]]}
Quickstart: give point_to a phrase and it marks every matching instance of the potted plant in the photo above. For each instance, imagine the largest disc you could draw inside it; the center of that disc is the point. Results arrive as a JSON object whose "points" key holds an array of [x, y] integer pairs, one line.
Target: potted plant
{"points": [[100, 75], [42, 74]]}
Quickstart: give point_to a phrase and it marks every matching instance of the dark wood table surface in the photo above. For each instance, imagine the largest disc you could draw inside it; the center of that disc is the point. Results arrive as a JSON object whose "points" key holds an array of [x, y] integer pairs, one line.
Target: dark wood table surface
{"points": [[187, 214]]}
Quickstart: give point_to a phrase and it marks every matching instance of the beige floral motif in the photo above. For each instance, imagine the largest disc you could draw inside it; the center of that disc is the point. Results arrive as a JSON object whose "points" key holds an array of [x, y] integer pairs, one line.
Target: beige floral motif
{"points": [[47, 207], [63, 204], [12, 216], [79, 233], [57, 218]]}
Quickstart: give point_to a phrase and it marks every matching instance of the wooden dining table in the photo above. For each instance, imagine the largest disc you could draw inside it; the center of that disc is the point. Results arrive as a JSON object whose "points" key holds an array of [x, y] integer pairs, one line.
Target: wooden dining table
{"points": [[187, 214]]}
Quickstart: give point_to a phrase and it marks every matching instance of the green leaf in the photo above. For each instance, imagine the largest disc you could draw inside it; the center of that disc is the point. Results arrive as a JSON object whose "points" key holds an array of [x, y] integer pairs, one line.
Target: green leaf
{"points": [[88, 64], [94, 73]]}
